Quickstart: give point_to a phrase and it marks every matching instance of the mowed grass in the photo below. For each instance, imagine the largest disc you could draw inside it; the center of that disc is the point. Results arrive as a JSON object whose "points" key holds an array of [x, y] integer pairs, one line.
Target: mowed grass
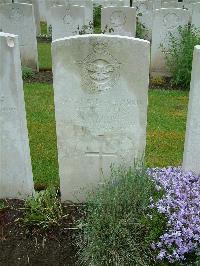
{"points": [[42, 133], [44, 54], [167, 114], [165, 132]]}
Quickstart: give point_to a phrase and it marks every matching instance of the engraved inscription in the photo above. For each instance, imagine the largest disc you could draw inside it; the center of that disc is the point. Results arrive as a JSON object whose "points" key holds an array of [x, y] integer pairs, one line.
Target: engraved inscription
{"points": [[99, 70], [17, 19], [16, 14], [68, 21], [101, 154], [5, 107], [118, 19], [171, 21], [95, 113]]}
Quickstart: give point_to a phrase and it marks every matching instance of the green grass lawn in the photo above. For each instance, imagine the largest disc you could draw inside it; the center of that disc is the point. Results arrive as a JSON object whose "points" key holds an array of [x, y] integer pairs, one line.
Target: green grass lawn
{"points": [[165, 132], [44, 54]]}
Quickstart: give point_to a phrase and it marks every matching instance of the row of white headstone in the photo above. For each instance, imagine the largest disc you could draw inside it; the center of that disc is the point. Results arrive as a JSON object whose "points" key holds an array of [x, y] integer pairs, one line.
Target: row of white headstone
{"points": [[101, 98], [146, 11], [19, 19]]}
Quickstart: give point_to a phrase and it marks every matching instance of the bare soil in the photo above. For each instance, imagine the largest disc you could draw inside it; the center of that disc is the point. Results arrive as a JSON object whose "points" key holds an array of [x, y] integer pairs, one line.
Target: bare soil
{"points": [[22, 245], [44, 76]]}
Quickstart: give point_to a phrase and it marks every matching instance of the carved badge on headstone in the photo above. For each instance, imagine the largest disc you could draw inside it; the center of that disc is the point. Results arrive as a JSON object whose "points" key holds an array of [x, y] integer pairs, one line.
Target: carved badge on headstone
{"points": [[118, 19], [68, 21], [171, 21], [16, 14], [99, 70]]}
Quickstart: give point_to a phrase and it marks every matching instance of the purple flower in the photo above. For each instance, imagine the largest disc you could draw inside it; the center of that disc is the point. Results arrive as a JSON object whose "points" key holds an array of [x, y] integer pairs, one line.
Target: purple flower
{"points": [[181, 206]]}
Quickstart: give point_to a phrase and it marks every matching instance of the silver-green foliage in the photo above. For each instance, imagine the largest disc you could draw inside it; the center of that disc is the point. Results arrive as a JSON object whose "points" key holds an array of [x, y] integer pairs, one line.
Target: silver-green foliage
{"points": [[117, 229]]}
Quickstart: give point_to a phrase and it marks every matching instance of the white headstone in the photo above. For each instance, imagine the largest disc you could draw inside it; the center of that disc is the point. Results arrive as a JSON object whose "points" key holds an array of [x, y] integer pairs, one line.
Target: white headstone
{"points": [[118, 3], [16, 179], [144, 11], [157, 4], [5, 1], [170, 4], [49, 5], [19, 19], [119, 21], [189, 3], [35, 4], [88, 4], [196, 15], [101, 94], [67, 21], [165, 21], [191, 158]]}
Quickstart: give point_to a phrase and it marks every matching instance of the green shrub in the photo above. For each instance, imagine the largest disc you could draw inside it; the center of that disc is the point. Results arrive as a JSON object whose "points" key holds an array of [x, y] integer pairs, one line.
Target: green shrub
{"points": [[179, 54], [117, 229], [97, 19], [2, 205], [27, 73], [141, 30], [44, 209]]}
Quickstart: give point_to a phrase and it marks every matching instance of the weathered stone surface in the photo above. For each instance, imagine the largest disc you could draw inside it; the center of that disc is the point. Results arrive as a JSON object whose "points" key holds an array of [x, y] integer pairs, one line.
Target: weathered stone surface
{"points": [[119, 21], [101, 91], [196, 15], [35, 4], [19, 19], [118, 3], [67, 21], [16, 180], [88, 4], [170, 4], [145, 16], [5, 1], [165, 20], [191, 158]]}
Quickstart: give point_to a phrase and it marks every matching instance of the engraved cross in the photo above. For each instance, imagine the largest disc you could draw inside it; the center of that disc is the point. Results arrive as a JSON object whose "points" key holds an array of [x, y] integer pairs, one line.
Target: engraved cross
{"points": [[100, 154]]}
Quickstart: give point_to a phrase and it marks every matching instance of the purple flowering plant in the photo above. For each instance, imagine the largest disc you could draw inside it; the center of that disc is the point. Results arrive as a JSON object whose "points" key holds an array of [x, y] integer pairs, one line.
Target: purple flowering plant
{"points": [[180, 205]]}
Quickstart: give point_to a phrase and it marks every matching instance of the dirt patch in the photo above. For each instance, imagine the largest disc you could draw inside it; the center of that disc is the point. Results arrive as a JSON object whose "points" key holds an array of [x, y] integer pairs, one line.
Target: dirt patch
{"points": [[22, 245], [163, 83], [44, 76]]}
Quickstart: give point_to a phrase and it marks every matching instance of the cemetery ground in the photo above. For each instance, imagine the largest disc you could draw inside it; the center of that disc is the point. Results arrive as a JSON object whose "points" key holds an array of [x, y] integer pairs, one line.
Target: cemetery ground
{"points": [[22, 244]]}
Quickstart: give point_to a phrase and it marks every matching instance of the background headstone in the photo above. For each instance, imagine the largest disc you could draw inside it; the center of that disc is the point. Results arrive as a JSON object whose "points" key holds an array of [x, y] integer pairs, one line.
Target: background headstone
{"points": [[19, 19], [35, 4], [196, 15], [88, 4], [119, 21], [100, 90], [191, 158], [118, 3], [67, 21], [16, 179], [165, 20], [144, 10]]}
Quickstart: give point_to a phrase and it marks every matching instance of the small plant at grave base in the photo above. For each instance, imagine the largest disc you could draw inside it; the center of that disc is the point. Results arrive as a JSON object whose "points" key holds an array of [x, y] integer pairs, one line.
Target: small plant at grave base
{"points": [[117, 229], [85, 29], [2, 205], [27, 73], [44, 209], [106, 29], [179, 54], [141, 31]]}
